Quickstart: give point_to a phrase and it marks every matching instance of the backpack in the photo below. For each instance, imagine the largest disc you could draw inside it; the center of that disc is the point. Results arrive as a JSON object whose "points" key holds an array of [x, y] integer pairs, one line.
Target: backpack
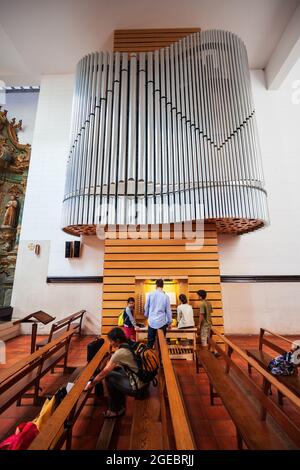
{"points": [[147, 362], [281, 365], [121, 319]]}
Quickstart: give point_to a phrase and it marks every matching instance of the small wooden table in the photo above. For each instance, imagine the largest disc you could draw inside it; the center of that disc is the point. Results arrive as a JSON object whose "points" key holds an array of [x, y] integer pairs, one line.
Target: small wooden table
{"points": [[176, 351], [35, 318]]}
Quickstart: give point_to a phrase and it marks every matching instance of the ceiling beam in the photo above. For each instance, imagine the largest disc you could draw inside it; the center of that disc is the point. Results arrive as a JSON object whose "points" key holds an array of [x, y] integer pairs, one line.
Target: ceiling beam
{"points": [[285, 54]]}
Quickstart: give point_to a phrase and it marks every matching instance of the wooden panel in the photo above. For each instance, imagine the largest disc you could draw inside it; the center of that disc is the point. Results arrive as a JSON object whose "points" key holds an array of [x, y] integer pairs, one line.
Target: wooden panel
{"points": [[124, 260], [161, 242], [109, 311], [149, 249], [136, 40], [208, 287], [117, 295], [154, 272], [195, 281], [119, 280], [109, 288], [154, 256], [119, 304], [157, 264]]}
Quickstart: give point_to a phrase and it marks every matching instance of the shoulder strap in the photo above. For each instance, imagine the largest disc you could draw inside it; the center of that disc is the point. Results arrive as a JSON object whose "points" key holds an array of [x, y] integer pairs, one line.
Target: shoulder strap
{"points": [[128, 346]]}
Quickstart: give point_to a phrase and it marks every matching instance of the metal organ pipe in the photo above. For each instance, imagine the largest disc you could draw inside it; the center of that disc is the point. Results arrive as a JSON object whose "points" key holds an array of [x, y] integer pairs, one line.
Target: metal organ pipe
{"points": [[173, 130]]}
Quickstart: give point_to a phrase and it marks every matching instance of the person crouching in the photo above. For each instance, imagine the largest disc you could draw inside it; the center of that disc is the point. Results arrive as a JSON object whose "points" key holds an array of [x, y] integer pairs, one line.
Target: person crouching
{"points": [[120, 374]]}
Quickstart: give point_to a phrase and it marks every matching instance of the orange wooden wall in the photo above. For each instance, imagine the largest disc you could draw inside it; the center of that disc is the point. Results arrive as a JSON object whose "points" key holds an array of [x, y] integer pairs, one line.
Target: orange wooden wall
{"points": [[152, 258], [142, 40]]}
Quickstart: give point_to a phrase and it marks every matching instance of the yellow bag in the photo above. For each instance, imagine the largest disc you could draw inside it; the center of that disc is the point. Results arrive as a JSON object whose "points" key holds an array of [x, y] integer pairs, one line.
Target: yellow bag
{"points": [[121, 319], [45, 413]]}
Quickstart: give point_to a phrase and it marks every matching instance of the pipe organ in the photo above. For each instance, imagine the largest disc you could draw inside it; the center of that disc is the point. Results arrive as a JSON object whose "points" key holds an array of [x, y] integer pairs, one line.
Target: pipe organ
{"points": [[165, 137]]}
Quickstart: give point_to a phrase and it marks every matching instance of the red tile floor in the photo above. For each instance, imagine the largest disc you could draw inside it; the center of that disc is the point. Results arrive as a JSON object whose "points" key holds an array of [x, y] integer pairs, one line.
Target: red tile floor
{"points": [[211, 425]]}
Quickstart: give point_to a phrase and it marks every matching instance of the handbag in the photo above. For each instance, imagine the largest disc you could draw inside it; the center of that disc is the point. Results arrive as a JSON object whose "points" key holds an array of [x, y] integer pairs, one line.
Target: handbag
{"points": [[121, 319], [92, 349]]}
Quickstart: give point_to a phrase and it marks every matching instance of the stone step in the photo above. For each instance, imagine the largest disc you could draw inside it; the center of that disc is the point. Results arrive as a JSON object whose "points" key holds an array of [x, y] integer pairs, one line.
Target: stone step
{"points": [[8, 330]]}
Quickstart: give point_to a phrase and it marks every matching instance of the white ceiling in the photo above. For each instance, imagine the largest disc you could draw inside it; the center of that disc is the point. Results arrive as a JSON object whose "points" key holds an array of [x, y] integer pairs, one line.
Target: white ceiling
{"points": [[50, 36]]}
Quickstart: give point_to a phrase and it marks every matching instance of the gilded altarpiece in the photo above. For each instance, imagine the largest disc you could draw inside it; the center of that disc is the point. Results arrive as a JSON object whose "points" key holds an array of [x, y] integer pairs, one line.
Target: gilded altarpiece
{"points": [[14, 164]]}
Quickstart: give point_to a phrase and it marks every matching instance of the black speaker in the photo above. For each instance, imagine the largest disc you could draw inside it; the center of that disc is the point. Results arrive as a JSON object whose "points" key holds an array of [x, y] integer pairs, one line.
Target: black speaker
{"points": [[76, 253], [68, 250]]}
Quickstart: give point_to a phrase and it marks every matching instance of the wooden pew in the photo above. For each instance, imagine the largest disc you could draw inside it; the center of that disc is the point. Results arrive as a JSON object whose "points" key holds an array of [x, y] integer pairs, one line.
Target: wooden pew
{"points": [[249, 405], [63, 325], [170, 389], [159, 418], [146, 428], [263, 358], [66, 414], [18, 379], [176, 351], [150, 426]]}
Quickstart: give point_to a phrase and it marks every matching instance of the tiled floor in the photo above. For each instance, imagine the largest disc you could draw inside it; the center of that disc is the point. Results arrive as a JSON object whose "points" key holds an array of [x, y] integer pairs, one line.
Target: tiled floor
{"points": [[211, 425]]}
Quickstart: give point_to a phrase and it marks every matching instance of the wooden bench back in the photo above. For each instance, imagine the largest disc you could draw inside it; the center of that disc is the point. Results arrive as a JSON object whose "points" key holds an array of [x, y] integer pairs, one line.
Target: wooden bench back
{"points": [[53, 427], [25, 374], [267, 404], [65, 323], [69, 318], [263, 372], [182, 432], [267, 341], [37, 356]]}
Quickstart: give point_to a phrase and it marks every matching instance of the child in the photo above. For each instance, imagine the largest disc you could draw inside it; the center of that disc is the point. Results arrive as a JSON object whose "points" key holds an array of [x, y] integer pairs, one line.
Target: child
{"points": [[130, 324], [205, 323], [185, 315], [286, 364]]}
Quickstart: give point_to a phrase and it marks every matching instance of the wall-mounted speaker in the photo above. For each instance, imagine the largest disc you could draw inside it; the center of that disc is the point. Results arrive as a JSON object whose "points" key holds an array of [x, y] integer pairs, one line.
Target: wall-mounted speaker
{"points": [[76, 251], [68, 250]]}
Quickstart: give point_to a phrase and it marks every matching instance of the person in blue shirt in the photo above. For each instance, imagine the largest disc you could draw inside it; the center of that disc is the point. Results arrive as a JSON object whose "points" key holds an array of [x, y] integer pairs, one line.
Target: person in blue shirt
{"points": [[158, 311]]}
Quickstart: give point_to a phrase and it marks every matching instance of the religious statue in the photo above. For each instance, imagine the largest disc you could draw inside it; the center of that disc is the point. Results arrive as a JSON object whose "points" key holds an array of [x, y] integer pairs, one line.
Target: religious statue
{"points": [[11, 213]]}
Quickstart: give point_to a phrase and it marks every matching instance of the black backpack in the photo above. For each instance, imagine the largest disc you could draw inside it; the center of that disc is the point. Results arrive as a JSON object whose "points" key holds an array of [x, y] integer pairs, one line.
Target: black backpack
{"points": [[92, 349]]}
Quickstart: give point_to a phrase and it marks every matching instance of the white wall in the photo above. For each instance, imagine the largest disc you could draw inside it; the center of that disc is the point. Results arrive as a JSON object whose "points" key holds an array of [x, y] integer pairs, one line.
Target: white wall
{"points": [[275, 249], [42, 220]]}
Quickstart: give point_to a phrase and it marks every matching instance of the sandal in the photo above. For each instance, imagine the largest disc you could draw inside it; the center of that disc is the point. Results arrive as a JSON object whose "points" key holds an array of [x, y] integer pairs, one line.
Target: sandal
{"points": [[109, 414]]}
